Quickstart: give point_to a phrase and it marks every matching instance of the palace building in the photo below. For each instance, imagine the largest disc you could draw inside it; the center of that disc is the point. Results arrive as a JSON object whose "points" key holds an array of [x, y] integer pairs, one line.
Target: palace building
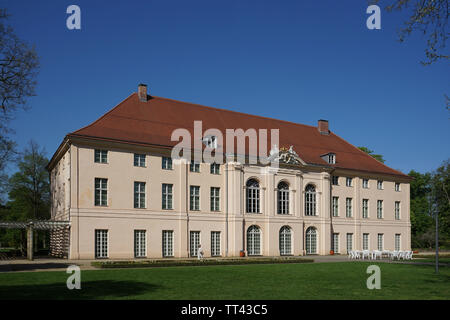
{"points": [[125, 197]]}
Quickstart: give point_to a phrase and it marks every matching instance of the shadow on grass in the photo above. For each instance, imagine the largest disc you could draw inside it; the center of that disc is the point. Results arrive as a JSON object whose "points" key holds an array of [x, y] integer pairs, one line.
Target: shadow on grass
{"points": [[99, 289], [32, 266]]}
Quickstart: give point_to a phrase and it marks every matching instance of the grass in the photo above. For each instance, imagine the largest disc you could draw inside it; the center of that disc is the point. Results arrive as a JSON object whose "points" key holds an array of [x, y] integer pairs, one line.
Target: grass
{"points": [[341, 280]]}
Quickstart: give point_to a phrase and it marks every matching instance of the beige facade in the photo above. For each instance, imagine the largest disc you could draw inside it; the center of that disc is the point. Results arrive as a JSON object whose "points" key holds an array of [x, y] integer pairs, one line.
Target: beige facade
{"points": [[73, 188]]}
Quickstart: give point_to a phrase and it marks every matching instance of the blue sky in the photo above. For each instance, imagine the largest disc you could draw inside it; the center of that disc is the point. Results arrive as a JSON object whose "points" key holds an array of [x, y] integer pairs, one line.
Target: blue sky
{"points": [[294, 60]]}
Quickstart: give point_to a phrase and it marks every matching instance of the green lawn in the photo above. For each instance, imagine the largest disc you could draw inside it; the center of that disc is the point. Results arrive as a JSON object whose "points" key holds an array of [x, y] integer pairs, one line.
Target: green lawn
{"points": [[345, 280]]}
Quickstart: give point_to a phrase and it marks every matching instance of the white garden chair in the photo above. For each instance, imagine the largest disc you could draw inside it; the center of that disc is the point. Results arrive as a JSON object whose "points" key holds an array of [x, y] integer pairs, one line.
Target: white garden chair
{"points": [[376, 254], [394, 255], [366, 253]]}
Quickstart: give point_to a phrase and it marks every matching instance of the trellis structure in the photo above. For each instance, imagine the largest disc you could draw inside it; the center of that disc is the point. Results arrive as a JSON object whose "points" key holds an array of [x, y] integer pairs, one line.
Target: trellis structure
{"points": [[59, 234]]}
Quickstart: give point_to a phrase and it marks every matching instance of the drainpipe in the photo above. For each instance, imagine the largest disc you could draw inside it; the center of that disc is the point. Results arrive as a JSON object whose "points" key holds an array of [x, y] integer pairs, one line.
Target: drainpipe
{"points": [[187, 209], [226, 208]]}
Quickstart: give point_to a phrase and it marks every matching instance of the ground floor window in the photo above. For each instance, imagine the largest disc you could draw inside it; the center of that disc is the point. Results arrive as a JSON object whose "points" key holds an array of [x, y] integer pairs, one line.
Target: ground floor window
{"points": [[397, 242], [139, 244], [311, 241], [380, 242], [365, 241], [254, 241], [349, 242], [167, 243], [194, 242], [215, 243], [336, 242], [101, 243], [285, 241]]}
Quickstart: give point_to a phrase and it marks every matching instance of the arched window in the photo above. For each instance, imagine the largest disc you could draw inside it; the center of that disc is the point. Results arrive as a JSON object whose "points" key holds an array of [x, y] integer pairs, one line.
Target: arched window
{"points": [[283, 198], [310, 200], [252, 196], [253, 241], [311, 240], [285, 241]]}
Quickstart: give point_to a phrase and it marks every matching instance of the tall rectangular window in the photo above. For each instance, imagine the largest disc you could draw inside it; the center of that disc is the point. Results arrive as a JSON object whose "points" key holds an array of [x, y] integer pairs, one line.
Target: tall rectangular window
{"points": [[167, 196], [380, 242], [101, 156], [215, 243], [349, 242], [348, 182], [380, 209], [365, 183], [365, 208], [101, 192], [215, 168], [397, 242], [195, 198], [335, 180], [215, 199], [194, 242], [139, 160], [167, 243], [194, 166], [139, 195], [397, 186], [365, 241], [335, 206], [380, 185], [397, 210], [101, 243], [348, 208], [167, 163], [140, 249], [336, 242]]}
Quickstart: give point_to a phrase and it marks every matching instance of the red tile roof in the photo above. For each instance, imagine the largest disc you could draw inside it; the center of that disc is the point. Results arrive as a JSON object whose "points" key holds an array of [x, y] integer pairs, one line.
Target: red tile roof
{"points": [[152, 122]]}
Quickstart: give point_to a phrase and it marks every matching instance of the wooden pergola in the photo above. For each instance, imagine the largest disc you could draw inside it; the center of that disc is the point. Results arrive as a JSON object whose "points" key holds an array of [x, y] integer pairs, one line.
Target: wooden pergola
{"points": [[30, 226]]}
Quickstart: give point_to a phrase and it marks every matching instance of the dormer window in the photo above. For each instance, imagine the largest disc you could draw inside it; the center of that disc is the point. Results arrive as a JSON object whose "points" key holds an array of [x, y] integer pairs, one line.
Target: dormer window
{"points": [[210, 142], [330, 158]]}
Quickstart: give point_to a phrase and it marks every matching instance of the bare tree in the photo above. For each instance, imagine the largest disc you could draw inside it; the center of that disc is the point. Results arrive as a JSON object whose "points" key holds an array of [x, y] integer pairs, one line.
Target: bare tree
{"points": [[430, 17]]}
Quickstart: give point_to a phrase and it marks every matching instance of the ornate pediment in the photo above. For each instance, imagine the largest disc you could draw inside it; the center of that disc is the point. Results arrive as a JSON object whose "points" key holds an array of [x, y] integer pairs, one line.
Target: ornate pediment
{"points": [[284, 155]]}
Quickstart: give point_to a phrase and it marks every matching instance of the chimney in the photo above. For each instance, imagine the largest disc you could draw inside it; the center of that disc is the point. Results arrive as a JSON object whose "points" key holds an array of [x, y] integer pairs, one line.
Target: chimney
{"points": [[322, 126], [142, 92]]}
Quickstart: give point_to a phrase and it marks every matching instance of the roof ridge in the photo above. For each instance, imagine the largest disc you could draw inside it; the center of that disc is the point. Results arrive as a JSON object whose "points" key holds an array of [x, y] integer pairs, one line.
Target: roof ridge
{"points": [[238, 112]]}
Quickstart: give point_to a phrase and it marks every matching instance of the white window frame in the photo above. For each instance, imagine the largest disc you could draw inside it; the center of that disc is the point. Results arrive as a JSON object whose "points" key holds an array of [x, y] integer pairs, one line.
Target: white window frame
{"points": [[167, 196], [215, 244], [285, 236], [397, 210], [397, 187], [194, 166], [365, 184], [380, 184], [349, 182], [139, 195], [397, 242], [139, 160], [167, 243], [100, 156], [140, 243], [166, 163], [379, 209], [336, 242], [380, 241], [335, 206], [214, 168], [335, 180], [215, 198], [101, 243], [366, 241], [194, 242], [310, 200], [101, 192], [254, 241], [194, 198], [349, 242], [311, 242], [348, 207], [365, 208], [283, 198], [252, 202]]}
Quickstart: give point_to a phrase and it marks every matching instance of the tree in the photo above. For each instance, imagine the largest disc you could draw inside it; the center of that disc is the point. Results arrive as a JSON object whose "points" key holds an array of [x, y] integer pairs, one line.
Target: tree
{"points": [[30, 186], [379, 157], [430, 17], [19, 66], [441, 190]]}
